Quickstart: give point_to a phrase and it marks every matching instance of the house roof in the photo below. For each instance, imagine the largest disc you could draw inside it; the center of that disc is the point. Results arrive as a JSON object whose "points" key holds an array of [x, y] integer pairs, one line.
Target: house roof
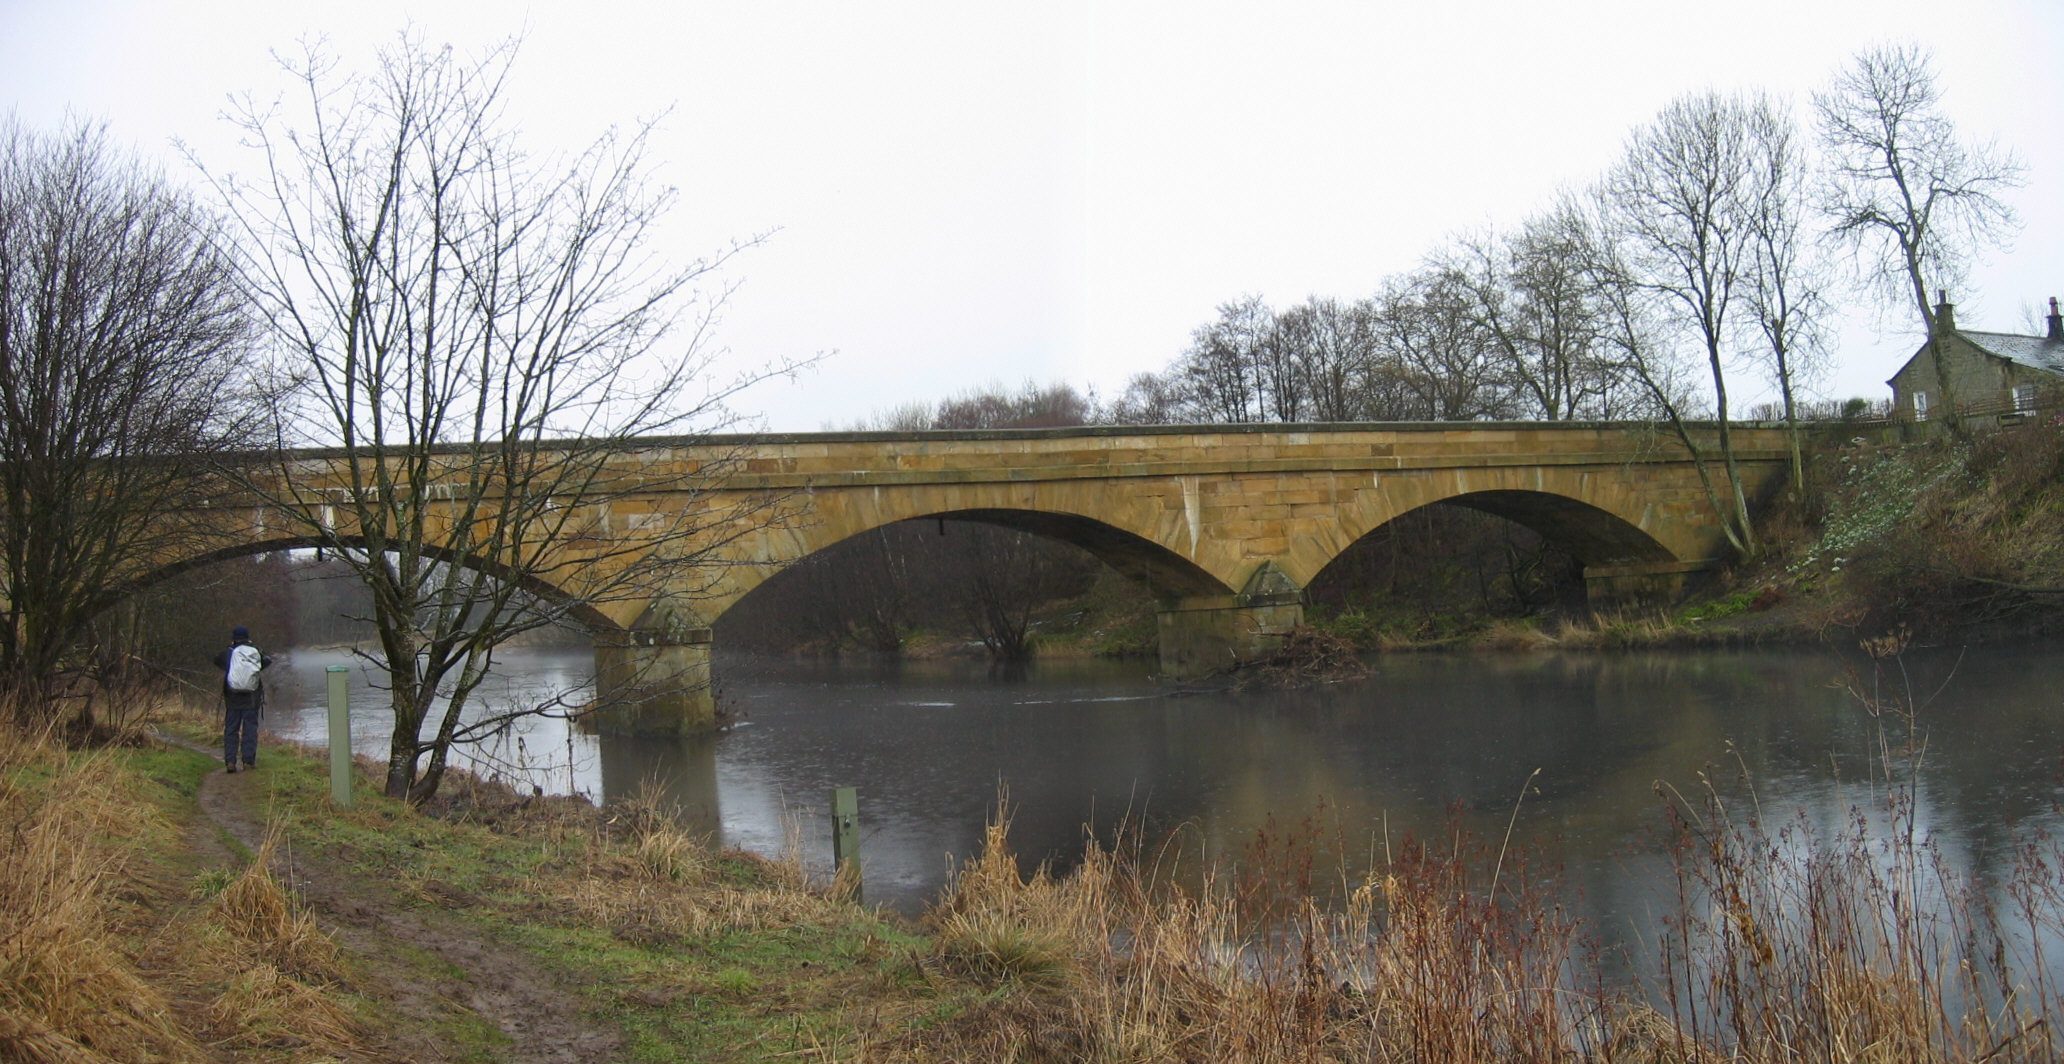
{"points": [[2035, 352]]}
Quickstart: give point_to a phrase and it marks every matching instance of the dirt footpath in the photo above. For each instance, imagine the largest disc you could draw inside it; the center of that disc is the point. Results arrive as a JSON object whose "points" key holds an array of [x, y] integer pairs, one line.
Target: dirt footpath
{"points": [[375, 926]]}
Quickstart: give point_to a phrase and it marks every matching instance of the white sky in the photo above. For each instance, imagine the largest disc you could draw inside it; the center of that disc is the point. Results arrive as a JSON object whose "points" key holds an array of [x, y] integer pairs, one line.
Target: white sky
{"points": [[970, 193]]}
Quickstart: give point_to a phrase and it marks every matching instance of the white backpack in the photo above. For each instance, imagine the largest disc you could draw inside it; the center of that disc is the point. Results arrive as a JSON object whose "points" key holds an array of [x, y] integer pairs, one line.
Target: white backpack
{"points": [[244, 663]]}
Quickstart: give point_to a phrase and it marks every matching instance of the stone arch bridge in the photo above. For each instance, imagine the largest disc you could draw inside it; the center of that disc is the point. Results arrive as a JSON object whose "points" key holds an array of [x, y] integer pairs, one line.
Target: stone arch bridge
{"points": [[1223, 525]]}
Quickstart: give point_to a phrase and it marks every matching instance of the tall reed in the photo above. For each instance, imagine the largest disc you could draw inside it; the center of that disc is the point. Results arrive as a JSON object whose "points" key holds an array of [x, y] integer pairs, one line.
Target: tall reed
{"points": [[1123, 963], [1860, 941]]}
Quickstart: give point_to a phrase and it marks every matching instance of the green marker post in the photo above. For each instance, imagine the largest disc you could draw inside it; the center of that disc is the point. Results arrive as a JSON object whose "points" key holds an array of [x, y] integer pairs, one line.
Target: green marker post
{"points": [[340, 736], [845, 835]]}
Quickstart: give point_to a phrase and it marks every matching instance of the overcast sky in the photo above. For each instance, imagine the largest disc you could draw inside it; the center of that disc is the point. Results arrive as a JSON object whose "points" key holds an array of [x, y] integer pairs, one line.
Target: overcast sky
{"points": [[962, 194]]}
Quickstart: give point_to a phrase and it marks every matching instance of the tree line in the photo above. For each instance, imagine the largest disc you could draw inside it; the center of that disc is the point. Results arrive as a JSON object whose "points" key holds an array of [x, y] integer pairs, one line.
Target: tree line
{"points": [[1714, 248]]}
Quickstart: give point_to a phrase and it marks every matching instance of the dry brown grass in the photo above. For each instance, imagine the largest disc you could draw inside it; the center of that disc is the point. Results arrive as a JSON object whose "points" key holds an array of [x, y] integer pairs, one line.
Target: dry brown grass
{"points": [[1860, 942], [612, 892], [1509, 634], [1619, 629], [104, 956], [267, 923], [647, 880], [265, 1009], [69, 988], [1113, 963], [1854, 945]]}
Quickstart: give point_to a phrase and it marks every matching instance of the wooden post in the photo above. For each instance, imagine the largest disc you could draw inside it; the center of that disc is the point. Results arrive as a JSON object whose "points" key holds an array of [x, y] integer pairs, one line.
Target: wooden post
{"points": [[845, 836], [340, 736]]}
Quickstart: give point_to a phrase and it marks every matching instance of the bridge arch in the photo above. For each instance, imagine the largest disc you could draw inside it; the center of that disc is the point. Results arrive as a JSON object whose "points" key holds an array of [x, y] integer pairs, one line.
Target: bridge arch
{"points": [[1165, 572], [1592, 535], [583, 613], [1599, 520], [1162, 571]]}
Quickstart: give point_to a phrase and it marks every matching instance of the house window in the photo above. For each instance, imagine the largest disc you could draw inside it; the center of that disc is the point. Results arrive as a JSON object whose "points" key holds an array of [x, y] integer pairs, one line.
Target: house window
{"points": [[1920, 406], [2024, 398]]}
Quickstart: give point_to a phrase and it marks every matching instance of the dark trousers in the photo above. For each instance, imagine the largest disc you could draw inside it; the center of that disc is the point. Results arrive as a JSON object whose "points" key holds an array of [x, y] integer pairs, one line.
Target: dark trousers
{"points": [[244, 723]]}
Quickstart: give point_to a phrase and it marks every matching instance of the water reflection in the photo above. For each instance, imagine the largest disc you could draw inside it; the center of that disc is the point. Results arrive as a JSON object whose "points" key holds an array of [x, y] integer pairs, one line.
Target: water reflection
{"points": [[1423, 739], [536, 752]]}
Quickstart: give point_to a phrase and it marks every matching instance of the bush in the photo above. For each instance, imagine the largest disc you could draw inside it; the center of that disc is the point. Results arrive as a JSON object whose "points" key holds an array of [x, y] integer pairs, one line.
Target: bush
{"points": [[1947, 534]]}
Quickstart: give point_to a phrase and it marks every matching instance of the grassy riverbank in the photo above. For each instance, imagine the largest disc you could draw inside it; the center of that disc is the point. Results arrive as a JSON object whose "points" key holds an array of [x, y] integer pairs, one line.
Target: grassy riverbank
{"points": [[159, 909]]}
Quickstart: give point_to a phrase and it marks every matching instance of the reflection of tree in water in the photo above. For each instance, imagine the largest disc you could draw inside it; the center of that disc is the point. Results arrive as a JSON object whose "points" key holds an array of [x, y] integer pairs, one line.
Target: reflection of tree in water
{"points": [[678, 774], [1431, 734]]}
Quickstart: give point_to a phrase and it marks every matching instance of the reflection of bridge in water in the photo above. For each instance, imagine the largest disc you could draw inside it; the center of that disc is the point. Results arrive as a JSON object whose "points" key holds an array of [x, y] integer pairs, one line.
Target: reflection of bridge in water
{"points": [[1224, 525]]}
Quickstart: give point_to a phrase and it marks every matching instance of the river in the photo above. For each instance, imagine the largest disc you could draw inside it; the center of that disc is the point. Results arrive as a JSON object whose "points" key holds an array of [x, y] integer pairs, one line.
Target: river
{"points": [[1424, 741]]}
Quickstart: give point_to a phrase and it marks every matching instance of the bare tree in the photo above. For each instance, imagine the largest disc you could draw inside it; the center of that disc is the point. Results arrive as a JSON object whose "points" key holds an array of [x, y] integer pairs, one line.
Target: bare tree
{"points": [[1221, 374], [484, 337], [1148, 399], [913, 416], [861, 592], [1278, 370], [1786, 282], [997, 578], [123, 347], [1529, 297], [1632, 333], [1425, 327], [1680, 202], [1332, 346], [1032, 406], [1908, 199]]}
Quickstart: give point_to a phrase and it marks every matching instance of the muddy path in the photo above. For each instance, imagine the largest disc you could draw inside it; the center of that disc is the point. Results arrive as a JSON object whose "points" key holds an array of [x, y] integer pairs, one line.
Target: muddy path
{"points": [[376, 926]]}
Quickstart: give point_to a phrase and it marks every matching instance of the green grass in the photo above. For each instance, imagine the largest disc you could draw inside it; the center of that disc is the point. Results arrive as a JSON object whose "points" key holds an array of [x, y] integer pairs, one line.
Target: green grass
{"points": [[736, 995], [469, 1037], [1715, 609], [176, 769], [212, 881]]}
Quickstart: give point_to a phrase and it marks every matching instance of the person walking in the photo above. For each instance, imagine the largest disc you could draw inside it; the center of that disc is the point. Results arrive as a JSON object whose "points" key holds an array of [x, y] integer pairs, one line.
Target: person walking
{"points": [[243, 698]]}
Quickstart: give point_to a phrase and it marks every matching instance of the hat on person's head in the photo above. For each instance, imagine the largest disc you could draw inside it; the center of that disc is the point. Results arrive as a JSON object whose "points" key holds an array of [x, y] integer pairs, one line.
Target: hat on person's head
{"points": [[239, 633]]}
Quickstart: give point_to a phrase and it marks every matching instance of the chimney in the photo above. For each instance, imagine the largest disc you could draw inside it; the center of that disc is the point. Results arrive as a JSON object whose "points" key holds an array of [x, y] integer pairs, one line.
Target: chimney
{"points": [[1945, 313], [2056, 323]]}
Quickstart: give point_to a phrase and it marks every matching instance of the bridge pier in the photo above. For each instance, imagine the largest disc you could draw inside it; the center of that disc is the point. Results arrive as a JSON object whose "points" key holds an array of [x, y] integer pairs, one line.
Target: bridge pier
{"points": [[654, 683], [1639, 585], [1210, 634]]}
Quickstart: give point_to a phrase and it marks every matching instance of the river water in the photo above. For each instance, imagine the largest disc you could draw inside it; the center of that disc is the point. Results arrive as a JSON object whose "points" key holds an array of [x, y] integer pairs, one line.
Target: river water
{"points": [[1425, 741]]}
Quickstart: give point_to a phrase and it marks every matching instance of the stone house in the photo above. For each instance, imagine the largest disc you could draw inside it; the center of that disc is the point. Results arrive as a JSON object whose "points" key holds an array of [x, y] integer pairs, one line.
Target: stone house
{"points": [[2003, 376]]}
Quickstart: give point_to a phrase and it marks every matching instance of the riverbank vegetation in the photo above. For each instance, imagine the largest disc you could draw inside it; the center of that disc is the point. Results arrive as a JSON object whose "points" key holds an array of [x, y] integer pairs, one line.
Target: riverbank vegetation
{"points": [[159, 910], [1942, 535], [1944, 538]]}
